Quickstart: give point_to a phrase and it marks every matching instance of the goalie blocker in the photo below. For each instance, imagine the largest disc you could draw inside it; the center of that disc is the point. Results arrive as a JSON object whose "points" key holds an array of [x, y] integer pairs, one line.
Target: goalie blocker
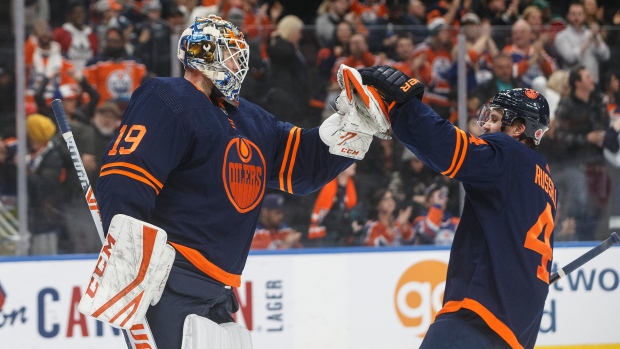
{"points": [[131, 272]]}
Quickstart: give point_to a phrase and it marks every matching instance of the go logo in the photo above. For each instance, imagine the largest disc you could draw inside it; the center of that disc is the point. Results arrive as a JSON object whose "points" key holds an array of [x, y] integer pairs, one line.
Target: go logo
{"points": [[419, 295]]}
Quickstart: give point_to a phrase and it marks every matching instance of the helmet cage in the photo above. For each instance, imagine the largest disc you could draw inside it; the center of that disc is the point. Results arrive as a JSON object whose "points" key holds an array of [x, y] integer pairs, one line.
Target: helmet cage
{"points": [[217, 49]]}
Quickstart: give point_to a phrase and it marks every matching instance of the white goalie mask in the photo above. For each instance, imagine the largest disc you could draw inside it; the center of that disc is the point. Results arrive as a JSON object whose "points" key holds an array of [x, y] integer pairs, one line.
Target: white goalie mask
{"points": [[218, 50]]}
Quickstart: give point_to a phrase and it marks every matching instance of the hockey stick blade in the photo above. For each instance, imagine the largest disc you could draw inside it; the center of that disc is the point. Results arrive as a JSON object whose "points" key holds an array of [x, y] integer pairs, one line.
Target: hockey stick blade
{"points": [[139, 335], [585, 258]]}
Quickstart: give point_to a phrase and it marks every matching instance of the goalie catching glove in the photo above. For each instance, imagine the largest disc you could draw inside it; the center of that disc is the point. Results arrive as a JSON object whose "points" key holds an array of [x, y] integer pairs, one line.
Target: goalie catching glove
{"points": [[394, 85], [361, 114], [130, 274]]}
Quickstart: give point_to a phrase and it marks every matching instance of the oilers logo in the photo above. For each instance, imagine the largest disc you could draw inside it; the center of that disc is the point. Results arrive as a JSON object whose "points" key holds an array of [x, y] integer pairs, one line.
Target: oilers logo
{"points": [[244, 174], [119, 84]]}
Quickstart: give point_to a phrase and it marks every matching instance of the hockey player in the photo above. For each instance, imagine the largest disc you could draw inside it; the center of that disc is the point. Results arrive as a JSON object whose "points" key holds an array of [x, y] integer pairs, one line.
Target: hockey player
{"points": [[194, 159], [498, 274]]}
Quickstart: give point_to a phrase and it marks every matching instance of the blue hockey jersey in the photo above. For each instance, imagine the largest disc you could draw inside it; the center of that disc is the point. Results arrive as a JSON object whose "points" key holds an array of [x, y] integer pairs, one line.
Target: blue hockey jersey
{"points": [[502, 250], [199, 171]]}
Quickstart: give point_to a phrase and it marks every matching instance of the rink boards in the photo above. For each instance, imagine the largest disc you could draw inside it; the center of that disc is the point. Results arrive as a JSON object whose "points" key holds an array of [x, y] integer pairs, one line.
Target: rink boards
{"points": [[302, 299]]}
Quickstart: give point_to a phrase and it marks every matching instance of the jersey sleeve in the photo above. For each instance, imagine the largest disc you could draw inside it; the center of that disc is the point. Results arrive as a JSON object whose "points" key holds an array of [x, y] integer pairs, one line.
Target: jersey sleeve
{"points": [[149, 144], [303, 163], [444, 147]]}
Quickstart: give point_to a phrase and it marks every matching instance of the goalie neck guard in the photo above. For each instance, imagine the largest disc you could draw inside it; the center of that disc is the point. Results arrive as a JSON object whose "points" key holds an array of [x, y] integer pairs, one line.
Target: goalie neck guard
{"points": [[218, 50]]}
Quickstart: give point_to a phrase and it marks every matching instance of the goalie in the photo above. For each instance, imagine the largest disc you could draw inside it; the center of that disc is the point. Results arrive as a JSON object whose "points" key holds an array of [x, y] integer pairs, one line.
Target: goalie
{"points": [[192, 161]]}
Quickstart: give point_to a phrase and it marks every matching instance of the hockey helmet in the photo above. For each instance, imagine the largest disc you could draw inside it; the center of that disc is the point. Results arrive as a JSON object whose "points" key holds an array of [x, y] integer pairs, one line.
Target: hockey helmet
{"points": [[218, 50], [523, 103]]}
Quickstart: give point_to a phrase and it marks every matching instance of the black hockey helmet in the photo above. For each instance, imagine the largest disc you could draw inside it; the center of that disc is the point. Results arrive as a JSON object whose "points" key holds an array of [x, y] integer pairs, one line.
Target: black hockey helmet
{"points": [[523, 103]]}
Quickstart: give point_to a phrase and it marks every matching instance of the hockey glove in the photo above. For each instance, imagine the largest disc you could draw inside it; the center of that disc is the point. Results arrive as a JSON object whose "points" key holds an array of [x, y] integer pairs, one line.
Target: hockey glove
{"points": [[394, 85], [345, 133], [366, 100]]}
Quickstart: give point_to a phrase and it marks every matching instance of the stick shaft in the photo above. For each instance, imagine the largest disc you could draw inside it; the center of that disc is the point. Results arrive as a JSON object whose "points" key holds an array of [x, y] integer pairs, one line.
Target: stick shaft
{"points": [[585, 258], [139, 336]]}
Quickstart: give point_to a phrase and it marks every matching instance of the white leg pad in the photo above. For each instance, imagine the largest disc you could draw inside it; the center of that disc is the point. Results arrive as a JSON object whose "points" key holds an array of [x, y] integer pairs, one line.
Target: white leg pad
{"points": [[202, 333]]}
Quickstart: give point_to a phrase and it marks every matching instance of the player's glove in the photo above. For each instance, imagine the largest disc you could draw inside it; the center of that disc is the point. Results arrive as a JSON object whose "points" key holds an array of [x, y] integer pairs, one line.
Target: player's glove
{"points": [[394, 85], [361, 114]]}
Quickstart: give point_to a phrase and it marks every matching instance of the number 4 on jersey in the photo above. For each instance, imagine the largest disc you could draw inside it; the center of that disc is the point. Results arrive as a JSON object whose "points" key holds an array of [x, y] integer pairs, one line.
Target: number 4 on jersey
{"points": [[543, 224]]}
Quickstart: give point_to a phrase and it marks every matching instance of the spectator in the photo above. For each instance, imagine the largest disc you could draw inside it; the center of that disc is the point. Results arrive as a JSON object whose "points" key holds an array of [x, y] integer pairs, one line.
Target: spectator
{"points": [[541, 30], [287, 78], [529, 58], [436, 51], [451, 12], [271, 231], [579, 45], [114, 73], [77, 40], [8, 171], [592, 12], [106, 120], [253, 86], [499, 16], [334, 220], [7, 99], [333, 12], [383, 228], [480, 49], [80, 229], [417, 11], [328, 57], [106, 14], [385, 31], [71, 96], [554, 89], [45, 176], [436, 225], [406, 60], [581, 121], [259, 18], [408, 185], [359, 57], [368, 11], [152, 44], [612, 155], [47, 68], [502, 79]]}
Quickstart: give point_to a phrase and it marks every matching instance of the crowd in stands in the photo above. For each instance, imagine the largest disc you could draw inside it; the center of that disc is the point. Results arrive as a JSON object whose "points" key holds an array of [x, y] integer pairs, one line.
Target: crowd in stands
{"points": [[92, 54]]}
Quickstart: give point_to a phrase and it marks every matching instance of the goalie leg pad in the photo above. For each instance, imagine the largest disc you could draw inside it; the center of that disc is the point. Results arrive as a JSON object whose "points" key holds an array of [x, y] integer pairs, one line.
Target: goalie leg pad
{"points": [[200, 332], [131, 272]]}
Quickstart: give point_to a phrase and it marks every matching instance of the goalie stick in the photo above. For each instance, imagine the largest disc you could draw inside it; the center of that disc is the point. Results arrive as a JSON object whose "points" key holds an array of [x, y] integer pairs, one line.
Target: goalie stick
{"points": [[139, 336], [585, 258]]}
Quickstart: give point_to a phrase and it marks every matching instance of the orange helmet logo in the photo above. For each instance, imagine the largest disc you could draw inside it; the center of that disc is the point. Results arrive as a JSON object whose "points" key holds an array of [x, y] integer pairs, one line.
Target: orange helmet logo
{"points": [[532, 94]]}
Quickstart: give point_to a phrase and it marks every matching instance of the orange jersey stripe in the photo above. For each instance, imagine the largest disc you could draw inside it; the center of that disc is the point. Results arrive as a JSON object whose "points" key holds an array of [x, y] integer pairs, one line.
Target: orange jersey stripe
{"points": [[130, 175], [136, 168], [200, 262], [493, 322], [291, 134], [463, 153], [456, 153], [293, 158]]}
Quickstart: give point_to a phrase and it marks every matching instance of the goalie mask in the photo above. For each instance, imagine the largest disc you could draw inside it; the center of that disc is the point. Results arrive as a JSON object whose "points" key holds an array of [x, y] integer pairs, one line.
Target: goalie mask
{"points": [[218, 50], [523, 103]]}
